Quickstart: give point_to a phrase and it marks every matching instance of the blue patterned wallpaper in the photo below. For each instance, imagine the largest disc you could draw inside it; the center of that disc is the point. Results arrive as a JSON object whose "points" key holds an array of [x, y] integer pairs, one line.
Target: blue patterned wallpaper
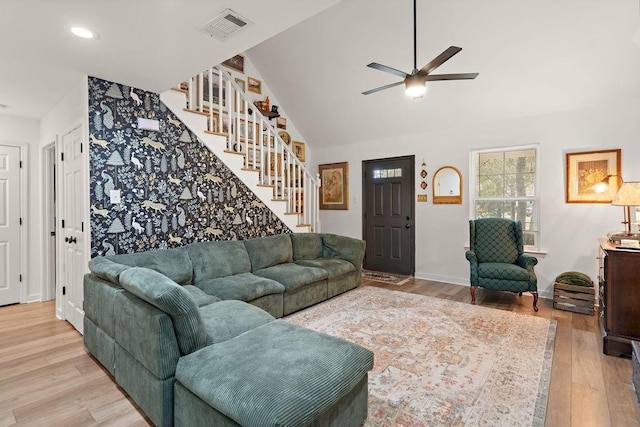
{"points": [[174, 191]]}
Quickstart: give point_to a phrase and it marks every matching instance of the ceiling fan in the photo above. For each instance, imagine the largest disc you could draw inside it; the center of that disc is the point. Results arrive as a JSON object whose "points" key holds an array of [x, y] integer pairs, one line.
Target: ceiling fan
{"points": [[415, 82]]}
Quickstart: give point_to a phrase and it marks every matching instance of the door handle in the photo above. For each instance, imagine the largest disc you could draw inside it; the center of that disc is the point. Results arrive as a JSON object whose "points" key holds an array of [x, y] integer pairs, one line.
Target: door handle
{"points": [[73, 240], [407, 226], [66, 239]]}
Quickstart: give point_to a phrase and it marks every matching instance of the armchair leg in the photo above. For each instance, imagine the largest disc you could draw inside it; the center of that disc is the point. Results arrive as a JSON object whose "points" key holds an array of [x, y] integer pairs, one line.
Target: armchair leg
{"points": [[535, 300], [472, 289]]}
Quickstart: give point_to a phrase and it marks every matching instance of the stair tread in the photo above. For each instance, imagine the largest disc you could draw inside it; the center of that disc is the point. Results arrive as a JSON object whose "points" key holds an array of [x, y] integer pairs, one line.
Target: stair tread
{"points": [[240, 153], [202, 113], [217, 133], [250, 169]]}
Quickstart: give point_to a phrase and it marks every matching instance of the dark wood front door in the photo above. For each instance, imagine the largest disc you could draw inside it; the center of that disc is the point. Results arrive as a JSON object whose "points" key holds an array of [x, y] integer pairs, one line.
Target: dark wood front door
{"points": [[388, 214]]}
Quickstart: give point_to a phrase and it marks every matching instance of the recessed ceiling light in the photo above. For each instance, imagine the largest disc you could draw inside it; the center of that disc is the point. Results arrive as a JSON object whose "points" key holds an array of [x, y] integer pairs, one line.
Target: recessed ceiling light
{"points": [[84, 33]]}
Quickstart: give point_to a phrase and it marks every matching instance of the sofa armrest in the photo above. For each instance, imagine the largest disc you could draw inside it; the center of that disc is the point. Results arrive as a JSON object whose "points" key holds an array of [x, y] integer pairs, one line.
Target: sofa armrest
{"points": [[527, 261], [166, 295], [346, 248]]}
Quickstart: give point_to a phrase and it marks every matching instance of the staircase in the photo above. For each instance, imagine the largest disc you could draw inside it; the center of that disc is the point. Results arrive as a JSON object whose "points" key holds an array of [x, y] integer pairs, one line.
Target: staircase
{"points": [[221, 115]]}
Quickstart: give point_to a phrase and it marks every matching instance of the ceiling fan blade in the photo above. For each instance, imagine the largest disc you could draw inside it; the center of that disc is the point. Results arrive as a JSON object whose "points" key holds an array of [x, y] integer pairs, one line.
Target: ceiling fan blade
{"points": [[440, 59], [387, 69], [463, 76], [378, 89]]}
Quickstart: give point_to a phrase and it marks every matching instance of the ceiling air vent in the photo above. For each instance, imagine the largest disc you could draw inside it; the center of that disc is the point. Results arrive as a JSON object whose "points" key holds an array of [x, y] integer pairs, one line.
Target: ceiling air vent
{"points": [[225, 25]]}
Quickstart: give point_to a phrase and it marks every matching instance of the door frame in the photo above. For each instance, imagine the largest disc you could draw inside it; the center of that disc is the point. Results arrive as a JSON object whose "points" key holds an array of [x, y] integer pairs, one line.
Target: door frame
{"points": [[411, 157], [49, 253], [24, 178]]}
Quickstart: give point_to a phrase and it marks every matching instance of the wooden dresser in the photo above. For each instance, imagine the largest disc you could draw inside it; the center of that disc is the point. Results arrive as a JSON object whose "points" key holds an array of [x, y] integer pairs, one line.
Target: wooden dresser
{"points": [[619, 280]]}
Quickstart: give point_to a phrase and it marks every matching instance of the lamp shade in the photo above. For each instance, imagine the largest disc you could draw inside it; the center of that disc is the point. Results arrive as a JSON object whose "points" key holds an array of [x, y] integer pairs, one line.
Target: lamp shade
{"points": [[628, 195]]}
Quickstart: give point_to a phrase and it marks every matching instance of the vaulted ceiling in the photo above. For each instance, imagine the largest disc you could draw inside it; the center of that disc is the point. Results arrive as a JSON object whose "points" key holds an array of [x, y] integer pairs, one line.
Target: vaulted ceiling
{"points": [[534, 56]]}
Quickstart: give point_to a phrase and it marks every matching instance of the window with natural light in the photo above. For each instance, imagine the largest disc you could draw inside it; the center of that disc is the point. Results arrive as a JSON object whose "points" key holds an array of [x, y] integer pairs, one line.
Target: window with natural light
{"points": [[504, 185]]}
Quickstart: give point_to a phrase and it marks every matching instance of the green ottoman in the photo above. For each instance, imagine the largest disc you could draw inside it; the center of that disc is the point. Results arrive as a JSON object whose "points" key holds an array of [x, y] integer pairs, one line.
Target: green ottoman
{"points": [[277, 374]]}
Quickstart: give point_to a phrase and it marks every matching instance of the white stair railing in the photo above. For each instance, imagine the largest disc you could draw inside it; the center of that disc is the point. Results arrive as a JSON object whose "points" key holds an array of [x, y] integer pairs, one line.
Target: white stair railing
{"points": [[250, 133]]}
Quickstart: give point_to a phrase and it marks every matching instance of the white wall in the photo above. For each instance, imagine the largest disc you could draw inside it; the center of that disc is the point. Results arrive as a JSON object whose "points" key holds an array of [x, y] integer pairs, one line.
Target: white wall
{"points": [[24, 133], [569, 232]]}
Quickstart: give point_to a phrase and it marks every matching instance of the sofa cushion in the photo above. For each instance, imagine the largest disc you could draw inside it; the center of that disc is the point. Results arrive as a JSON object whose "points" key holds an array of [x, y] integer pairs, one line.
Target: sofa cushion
{"points": [[498, 270], [335, 266], [173, 263], [107, 269], [343, 247], [267, 251], [228, 319], [243, 287], [199, 296], [218, 259], [165, 294], [306, 246], [278, 374], [293, 276]]}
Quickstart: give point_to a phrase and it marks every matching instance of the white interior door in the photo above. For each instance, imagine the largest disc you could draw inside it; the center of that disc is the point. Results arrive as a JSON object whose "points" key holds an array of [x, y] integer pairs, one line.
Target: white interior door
{"points": [[9, 225], [73, 231]]}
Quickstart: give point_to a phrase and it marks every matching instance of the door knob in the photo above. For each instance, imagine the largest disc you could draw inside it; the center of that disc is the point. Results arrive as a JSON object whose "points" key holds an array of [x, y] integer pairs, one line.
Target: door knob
{"points": [[73, 240], [66, 239], [407, 226]]}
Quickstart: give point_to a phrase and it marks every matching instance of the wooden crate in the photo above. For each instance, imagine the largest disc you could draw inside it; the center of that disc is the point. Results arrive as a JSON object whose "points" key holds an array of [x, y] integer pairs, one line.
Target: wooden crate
{"points": [[579, 299]]}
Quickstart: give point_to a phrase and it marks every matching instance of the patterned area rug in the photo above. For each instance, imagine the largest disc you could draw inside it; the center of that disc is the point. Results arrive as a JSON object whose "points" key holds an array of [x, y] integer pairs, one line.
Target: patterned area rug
{"points": [[378, 276], [443, 363]]}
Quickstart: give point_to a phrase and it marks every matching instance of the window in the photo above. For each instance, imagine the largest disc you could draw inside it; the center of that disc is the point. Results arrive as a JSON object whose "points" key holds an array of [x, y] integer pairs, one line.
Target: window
{"points": [[504, 185], [387, 173]]}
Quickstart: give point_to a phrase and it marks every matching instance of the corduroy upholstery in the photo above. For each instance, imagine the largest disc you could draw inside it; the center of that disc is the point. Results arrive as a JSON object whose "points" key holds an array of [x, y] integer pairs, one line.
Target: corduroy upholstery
{"points": [[278, 374], [143, 311], [497, 260], [165, 294]]}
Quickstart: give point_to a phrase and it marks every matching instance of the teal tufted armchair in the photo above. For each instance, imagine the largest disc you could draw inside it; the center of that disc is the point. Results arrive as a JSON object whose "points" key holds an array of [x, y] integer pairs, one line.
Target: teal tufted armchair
{"points": [[497, 258]]}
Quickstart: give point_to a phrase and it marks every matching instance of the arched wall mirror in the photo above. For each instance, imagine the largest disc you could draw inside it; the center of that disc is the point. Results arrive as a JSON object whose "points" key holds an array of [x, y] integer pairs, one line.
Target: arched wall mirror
{"points": [[447, 186]]}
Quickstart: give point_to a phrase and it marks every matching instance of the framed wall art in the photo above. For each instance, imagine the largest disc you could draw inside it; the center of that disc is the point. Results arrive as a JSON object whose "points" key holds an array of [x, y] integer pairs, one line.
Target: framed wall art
{"points": [[587, 168], [235, 63], [298, 150], [281, 123], [334, 193], [255, 85]]}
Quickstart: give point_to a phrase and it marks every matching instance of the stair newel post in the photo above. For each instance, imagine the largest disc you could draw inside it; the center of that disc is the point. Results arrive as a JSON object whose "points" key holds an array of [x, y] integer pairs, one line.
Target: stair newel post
{"points": [[316, 202], [236, 117]]}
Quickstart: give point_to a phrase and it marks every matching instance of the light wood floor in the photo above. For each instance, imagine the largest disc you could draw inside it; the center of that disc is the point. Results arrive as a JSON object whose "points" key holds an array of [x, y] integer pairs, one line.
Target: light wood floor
{"points": [[48, 379]]}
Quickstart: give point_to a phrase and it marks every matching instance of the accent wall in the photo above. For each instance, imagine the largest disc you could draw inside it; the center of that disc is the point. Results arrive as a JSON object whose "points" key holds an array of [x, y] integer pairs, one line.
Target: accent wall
{"points": [[172, 189]]}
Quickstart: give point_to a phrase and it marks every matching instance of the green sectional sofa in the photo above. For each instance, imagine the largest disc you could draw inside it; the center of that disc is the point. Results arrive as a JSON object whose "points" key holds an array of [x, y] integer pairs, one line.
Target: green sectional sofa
{"points": [[191, 334]]}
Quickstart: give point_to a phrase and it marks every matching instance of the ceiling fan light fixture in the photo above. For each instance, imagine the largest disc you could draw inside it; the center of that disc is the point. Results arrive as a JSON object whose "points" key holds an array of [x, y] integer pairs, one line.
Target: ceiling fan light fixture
{"points": [[415, 86]]}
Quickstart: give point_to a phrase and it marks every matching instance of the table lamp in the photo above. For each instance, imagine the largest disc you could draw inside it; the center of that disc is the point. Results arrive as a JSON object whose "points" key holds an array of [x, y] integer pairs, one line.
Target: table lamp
{"points": [[628, 195]]}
